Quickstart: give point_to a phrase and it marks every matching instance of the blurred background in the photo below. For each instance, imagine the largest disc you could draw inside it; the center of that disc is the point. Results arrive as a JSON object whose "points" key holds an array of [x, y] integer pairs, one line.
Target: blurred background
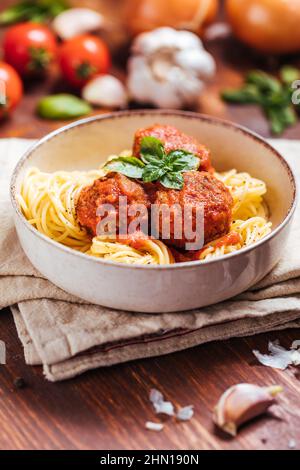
{"points": [[66, 59]]}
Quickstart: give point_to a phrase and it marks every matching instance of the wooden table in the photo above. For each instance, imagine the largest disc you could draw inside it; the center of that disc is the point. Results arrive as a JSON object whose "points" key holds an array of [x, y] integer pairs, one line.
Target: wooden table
{"points": [[107, 408]]}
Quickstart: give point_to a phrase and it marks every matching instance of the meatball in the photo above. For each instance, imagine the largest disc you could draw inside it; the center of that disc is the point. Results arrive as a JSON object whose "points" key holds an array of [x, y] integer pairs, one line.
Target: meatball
{"points": [[174, 139], [107, 190], [201, 189]]}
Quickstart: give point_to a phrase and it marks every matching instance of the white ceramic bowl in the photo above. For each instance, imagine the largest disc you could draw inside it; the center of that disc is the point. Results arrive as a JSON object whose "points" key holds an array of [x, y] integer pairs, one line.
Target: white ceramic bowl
{"points": [[85, 144]]}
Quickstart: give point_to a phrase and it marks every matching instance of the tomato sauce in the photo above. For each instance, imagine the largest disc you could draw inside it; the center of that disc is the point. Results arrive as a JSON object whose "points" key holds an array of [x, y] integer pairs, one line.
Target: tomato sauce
{"points": [[232, 238]]}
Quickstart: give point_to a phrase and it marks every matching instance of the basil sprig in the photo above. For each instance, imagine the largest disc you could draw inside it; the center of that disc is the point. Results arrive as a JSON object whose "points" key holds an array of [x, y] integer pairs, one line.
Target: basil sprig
{"points": [[38, 11], [156, 164], [273, 95]]}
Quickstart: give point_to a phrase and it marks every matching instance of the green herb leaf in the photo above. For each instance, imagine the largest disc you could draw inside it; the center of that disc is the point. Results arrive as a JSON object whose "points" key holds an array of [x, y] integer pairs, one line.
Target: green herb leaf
{"points": [[132, 160], [275, 118], [14, 14], [172, 180], [277, 99], [272, 95], [180, 160], [128, 166], [32, 10], [152, 146], [62, 106], [152, 173], [263, 81], [289, 116], [55, 7], [289, 74], [152, 160], [249, 94]]}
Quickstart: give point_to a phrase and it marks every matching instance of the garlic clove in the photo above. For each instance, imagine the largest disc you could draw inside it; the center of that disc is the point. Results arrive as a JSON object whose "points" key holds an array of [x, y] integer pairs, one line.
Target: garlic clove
{"points": [[241, 403], [76, 21], [106, 91], [198, 61]]}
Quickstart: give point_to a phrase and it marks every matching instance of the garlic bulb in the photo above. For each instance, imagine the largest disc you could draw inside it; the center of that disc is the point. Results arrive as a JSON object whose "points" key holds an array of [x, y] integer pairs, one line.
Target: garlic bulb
{"points": [[106, 91], [168, 68], [76, 21]]}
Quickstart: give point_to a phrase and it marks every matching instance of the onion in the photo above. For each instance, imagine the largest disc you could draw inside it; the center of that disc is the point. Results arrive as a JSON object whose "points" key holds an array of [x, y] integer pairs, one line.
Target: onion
{"points": [[145, 15], [271, 26]]}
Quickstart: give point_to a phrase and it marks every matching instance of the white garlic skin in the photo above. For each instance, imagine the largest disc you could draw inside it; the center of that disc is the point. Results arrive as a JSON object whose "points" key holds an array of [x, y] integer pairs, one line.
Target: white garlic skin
{"points": [[106, 91], [168, 68], [76, 21]]}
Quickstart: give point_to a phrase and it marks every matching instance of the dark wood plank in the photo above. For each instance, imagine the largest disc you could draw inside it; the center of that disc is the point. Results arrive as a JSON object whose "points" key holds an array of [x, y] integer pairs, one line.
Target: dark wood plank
{"points": [[107, 408]]}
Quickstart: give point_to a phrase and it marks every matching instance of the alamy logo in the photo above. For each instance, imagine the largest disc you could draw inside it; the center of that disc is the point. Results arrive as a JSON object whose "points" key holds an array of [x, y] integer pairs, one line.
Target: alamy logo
{"points": [[2, 352], [296, 93], [2, 93], [167, 221]]}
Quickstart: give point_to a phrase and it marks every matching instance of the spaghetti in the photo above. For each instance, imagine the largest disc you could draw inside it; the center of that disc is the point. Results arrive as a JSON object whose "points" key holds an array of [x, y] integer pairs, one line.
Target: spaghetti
{"points": [[250, 215], [48, 202]]}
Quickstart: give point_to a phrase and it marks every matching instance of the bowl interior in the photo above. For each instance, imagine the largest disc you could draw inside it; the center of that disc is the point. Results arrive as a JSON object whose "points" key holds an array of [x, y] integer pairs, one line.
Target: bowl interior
{"points": [[86, 145]]}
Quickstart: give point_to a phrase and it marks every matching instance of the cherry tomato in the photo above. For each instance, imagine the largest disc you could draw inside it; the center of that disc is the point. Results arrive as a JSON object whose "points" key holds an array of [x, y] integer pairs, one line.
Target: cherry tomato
{"points": [[29, 48], [83, 57], [11, 89]]}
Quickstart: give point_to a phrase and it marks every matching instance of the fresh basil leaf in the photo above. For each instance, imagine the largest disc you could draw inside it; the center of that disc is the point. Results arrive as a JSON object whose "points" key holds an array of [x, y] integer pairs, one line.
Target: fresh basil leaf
{"points": [[132, 170], [264, 81], [289, 74], [152, 160], [289, 116], [174, 155], [272, 95], [152, 173], [32, 10], [276, 99], [56, 6], [172, 181], [132, 160], [275, 117], [248, 94], [180, 160], [152, 146], [14, 14]]}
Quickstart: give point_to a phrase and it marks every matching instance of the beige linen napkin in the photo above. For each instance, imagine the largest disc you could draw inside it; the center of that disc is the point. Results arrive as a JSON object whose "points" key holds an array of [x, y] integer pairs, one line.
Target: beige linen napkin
{"points": [[68, 336]]}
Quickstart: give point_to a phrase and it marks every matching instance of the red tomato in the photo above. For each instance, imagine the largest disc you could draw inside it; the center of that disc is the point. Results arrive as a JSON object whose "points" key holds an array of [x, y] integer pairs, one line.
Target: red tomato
{"points": [[11, 89], [29, 48], [82, 57]]}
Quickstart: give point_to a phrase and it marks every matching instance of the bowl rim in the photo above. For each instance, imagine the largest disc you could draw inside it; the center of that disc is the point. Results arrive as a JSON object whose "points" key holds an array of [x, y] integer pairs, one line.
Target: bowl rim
{"points": [[155, 112]]}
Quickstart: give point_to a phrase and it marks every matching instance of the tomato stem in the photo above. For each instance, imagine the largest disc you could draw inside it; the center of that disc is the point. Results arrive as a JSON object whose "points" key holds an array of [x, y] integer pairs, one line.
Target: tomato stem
{"points": [[40, 59]]}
